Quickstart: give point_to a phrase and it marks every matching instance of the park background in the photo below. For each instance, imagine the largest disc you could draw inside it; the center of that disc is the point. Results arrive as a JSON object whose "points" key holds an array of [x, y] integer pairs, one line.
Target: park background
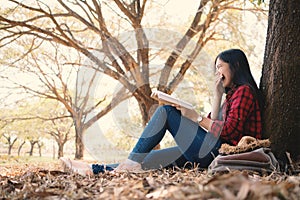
{"points": [[29, 128], [56, 101]]}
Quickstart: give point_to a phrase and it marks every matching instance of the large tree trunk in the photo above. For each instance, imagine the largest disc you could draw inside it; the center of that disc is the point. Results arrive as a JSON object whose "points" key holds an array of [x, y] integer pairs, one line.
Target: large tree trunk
{"points": [[281, 78], [146, 104]]}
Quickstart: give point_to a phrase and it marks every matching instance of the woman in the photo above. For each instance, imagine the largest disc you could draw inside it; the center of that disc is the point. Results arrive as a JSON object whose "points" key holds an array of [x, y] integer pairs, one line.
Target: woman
{"points": [[198, 138]]}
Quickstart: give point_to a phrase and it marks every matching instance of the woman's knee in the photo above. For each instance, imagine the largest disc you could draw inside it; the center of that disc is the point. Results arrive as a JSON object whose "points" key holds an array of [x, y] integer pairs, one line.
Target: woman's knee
{"points": [[165, 110], [168, 108]]}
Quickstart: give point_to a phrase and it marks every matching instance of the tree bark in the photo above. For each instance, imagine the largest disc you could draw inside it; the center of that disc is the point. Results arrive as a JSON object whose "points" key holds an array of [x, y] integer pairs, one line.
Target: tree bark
{"points": [[79, 146], [11, 143], [10, 146], [20, 148], [60, 150], [40, 145], [280, 78], [32, 143]]}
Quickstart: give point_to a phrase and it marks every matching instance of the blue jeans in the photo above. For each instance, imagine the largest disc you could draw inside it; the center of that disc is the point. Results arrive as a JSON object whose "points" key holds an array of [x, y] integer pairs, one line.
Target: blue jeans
{"points": [[194, 144]]}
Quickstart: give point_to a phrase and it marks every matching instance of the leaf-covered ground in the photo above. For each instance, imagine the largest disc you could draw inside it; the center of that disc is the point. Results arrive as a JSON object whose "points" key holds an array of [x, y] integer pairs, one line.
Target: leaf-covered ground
{"points": [[48, 181]]}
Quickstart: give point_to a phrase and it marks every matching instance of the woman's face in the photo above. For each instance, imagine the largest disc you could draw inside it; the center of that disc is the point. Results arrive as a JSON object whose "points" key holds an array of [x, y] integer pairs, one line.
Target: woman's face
{"points": [[223, 70]]}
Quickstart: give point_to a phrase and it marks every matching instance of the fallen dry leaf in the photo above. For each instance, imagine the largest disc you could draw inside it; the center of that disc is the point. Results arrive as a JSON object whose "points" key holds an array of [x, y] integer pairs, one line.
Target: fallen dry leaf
{"points": [[45, 182]]}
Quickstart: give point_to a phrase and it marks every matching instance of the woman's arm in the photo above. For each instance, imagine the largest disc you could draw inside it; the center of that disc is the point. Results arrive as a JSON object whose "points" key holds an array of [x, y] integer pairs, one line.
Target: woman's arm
{"points": [[207, 122], [194, 116], [241, 104], [217, 97]]}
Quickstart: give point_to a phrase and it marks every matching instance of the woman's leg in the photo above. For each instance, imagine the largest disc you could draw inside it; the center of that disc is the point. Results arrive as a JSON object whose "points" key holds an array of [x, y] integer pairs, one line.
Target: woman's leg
{"points": [[162, 158], [193, 142]]}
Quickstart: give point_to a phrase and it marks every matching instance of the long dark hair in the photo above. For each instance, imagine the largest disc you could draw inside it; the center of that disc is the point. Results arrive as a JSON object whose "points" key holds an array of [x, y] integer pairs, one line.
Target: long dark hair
{"points": [[240, 69]]}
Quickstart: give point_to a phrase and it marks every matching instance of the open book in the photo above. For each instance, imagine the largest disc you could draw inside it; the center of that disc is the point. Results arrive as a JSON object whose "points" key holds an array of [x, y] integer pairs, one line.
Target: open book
{"points": [[169, 100]]}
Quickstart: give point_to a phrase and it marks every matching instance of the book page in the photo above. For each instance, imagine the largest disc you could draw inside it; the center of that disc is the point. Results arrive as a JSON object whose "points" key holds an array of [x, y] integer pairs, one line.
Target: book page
{"points": [[168, 99]]}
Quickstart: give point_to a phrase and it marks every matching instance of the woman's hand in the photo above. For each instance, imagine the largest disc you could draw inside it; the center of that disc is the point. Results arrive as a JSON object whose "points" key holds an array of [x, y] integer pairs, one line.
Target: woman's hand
{"points": [[219, 89], [193, 115], [218, 93], [188, 113]]}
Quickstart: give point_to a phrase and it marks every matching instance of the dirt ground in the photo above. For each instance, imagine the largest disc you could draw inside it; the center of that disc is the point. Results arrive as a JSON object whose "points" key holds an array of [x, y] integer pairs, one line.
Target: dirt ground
{"points": [[47, 180]]}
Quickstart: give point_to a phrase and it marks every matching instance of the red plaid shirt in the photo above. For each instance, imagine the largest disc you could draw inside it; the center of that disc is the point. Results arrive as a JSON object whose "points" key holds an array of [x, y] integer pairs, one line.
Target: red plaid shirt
{"points": [[241, 116]]}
